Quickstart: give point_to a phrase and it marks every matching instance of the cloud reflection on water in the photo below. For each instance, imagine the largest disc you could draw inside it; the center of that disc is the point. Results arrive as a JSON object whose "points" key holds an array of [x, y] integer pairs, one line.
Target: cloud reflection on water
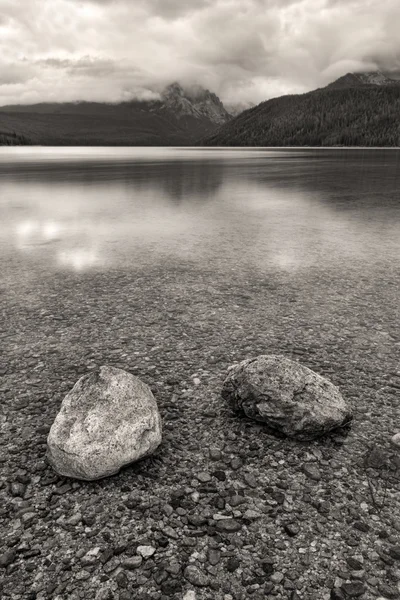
{"points": [[275, 211]]}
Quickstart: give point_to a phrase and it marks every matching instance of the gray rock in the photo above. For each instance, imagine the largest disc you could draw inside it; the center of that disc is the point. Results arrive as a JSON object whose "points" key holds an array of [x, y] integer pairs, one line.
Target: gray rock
{"points": [[396, 440], [312, 472], [109, 419], [7, 558], [288, 397], [132, 563], [146, 551], [354, 589], [195, 576], [228, 526]]}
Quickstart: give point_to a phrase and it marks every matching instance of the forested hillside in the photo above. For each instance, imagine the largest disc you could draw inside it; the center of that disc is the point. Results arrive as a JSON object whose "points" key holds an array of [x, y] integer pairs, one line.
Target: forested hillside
{"points": [[8, 138], [367, 115], [179, 118]]}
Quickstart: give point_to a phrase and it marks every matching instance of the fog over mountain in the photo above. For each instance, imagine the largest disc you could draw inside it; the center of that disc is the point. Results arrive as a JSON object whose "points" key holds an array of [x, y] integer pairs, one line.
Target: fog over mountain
{"points": [[245, 51]]}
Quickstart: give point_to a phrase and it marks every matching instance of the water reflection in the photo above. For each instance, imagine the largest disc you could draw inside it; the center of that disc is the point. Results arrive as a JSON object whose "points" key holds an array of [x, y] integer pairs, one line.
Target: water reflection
{"points": [[84, 209]]}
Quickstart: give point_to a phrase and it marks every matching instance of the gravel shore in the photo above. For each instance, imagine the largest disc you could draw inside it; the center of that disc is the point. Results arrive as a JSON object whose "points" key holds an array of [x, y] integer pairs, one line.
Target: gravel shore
{"points": [[223, 510]]}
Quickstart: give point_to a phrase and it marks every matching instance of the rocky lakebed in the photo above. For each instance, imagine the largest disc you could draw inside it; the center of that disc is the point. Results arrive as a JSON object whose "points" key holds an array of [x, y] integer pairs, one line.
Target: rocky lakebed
{"points": [[223, 508]]}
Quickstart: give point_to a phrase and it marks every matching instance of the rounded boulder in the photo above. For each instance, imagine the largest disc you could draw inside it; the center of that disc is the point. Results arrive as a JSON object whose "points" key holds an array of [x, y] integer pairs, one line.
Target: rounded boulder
{"points": [[109, 419], [288, 397]]}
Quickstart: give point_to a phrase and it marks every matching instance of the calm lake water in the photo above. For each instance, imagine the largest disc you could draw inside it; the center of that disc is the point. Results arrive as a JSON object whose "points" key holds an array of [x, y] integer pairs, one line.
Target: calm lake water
{"points": [[92, 209], [199, 256]]}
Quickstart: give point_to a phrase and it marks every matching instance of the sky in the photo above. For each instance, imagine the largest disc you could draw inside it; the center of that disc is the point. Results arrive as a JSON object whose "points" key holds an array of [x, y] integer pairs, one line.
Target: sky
{"points": [[243, 50]]}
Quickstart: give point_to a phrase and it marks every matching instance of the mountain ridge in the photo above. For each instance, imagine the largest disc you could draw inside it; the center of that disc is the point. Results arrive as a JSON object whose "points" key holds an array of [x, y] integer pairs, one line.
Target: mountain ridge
{"points": [[179, 117], [357, 111]]}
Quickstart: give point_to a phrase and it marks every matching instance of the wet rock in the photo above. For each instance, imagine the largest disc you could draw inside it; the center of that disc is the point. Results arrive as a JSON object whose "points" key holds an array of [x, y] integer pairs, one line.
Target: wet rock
{"points": [[109, 419], [290, 398]]}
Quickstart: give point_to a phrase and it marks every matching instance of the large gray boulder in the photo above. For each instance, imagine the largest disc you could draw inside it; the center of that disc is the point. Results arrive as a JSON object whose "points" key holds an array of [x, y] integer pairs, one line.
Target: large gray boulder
{"points": [[290, 398], [109, 419]]}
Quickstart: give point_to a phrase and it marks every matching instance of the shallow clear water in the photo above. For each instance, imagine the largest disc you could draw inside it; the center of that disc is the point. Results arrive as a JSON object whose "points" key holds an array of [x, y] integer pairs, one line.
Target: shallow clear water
{"points": [[86, 209]]}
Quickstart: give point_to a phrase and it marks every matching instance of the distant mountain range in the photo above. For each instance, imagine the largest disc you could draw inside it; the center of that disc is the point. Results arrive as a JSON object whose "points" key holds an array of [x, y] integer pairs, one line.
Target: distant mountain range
{"points": [[180, 117], [358, 109]]}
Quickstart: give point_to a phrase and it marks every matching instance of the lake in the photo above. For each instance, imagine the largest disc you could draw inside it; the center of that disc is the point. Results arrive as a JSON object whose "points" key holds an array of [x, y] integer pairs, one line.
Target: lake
{"points": [[206, 255]]}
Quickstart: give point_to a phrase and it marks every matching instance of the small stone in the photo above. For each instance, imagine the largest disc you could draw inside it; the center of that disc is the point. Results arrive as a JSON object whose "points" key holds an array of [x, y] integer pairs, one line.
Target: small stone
{"points": [[388, 592], [251, 514], [215, 454], [28, 517], [7, 558], [203, 477], [190, 595], [132, 563], [236, 463], [214, 556], [267, 566], [312, 472], [394, 552], [250, 480], [232, 564], [169, 532], [122, 580], [228, 526], [220, 475], [337, 594], [236, 501], [361, 526], [197, 520], [292, 529], [355, 589], [277, 577], [146, 551], [195, 576], [354, 564], [396, 440], [17, 489]]}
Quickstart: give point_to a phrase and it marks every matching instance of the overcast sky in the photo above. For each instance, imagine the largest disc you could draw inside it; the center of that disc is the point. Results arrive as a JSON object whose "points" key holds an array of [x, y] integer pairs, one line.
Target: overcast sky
{"points": [[244, 50]]}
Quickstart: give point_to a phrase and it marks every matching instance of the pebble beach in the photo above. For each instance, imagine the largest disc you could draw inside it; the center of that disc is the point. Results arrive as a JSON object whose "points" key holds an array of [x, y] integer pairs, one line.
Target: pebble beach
{"points": [[223, 510]]}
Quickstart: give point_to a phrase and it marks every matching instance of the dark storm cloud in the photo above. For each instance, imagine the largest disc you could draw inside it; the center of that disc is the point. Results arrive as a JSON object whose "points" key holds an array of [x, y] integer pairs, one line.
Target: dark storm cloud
{"points": [[245, 50]]}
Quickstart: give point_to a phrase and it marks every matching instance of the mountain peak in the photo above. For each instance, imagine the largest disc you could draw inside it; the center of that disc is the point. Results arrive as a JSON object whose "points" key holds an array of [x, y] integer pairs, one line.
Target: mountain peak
{"points": [[194, 101], [364, 78]]}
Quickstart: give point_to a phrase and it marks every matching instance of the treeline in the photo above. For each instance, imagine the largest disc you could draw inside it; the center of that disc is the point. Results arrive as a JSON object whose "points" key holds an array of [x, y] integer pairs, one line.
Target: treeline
{"points": [[359, 116], [13, 139]]}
